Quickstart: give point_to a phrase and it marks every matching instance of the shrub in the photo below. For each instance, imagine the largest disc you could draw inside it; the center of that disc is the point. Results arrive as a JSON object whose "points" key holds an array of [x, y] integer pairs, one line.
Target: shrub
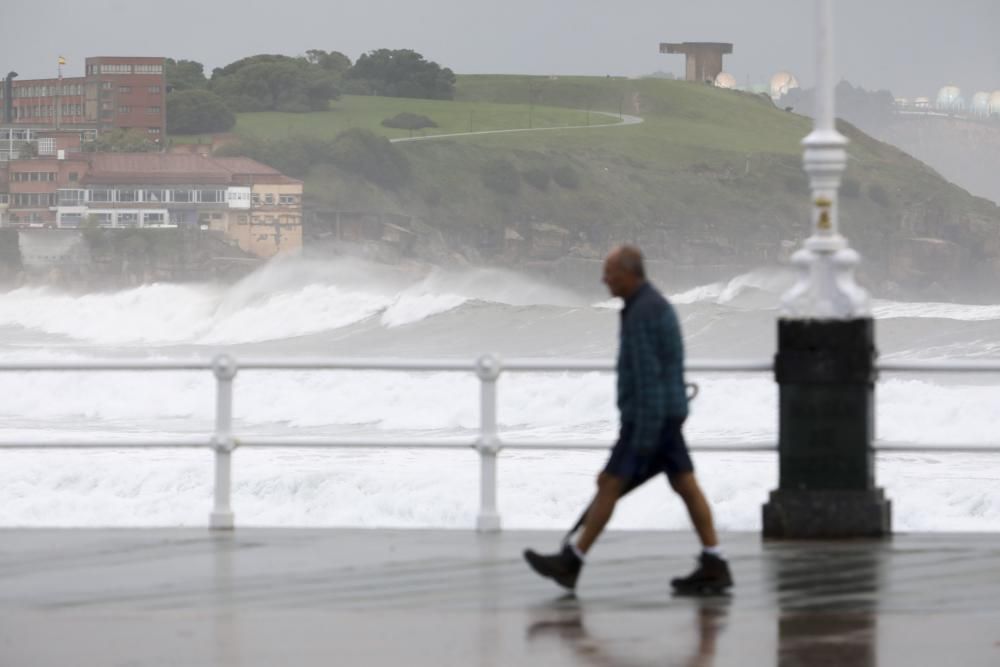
{"points": [[566, 177], [408, 121], [501, 177], [537, 178]]}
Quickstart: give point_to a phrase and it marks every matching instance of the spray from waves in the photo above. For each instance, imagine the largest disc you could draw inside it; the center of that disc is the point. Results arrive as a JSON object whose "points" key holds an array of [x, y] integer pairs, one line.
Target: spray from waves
{"points": [[946, 311], [282, 300]]}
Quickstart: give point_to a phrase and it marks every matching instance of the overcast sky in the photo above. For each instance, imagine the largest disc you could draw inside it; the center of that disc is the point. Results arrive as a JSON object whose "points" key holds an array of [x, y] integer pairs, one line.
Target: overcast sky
{"points": [[911, 47]]}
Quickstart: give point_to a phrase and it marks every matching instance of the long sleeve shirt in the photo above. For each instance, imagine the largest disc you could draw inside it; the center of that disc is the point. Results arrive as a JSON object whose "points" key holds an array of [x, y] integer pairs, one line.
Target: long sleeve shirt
{"points": [[650, 368]]}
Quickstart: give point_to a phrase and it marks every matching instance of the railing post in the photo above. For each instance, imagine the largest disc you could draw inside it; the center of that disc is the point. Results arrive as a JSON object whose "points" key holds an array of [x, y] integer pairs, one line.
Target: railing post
{"points": [[488, 370], [224, 368]]}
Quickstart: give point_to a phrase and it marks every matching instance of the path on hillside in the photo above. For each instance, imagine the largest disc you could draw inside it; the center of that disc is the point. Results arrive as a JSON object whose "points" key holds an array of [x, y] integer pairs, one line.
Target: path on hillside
{"points": [[625, 120]]}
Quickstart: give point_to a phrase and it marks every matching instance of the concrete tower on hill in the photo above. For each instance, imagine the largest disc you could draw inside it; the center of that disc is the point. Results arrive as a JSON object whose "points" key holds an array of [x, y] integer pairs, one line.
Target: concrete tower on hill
{"points": [[703, 59]]}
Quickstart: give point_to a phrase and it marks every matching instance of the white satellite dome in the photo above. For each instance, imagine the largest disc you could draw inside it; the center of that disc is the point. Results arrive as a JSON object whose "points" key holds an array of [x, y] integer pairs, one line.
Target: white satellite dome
{"points": [[981, 104], [995, 102], [725, 80], [781, 83], [949, 98]]}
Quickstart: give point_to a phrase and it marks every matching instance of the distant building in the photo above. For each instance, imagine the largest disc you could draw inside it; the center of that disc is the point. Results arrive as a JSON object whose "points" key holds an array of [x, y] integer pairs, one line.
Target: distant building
{"points": [[114, 93], [258, 207], [703, 60]]}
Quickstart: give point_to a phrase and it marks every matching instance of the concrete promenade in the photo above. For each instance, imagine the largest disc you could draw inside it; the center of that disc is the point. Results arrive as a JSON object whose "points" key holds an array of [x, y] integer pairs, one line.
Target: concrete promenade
{"points": [[302, 597]]}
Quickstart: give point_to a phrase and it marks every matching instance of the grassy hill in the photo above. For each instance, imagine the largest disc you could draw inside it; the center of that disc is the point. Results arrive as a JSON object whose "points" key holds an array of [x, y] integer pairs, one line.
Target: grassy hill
{"points": [[710, 177]]}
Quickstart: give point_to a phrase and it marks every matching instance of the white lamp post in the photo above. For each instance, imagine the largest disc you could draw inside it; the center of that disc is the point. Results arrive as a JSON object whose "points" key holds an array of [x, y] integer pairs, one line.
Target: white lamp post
{"points": [[826, 288]]}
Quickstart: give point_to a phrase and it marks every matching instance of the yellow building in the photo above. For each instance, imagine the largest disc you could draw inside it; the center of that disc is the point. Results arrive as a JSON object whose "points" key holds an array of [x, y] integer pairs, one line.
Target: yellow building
{"points": [[270, 222]]}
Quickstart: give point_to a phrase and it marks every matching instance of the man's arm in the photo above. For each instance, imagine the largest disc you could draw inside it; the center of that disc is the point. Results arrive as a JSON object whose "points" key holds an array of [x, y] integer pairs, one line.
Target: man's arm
{"points": [[650, 396]]}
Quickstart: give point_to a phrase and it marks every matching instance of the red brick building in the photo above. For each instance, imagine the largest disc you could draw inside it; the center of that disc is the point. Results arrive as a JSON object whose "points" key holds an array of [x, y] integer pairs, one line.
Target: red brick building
{"points": [[114, 93], [257, 207]]}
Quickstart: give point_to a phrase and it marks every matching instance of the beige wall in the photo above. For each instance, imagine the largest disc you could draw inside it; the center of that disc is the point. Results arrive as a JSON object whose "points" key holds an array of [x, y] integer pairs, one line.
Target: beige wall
{"points": [[272, 227]]}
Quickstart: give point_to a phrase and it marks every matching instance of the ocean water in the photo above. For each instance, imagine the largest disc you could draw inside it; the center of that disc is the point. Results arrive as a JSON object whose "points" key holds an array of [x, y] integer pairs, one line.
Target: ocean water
{"points": [[348, 308]]}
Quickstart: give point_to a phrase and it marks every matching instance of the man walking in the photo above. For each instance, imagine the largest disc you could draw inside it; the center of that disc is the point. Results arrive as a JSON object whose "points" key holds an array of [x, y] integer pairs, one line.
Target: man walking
{"points": [[652, 401]]}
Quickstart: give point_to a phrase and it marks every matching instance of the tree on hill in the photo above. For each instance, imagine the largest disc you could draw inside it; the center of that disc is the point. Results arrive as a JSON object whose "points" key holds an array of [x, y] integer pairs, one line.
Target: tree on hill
{"points": [[195, 111], [184, 74], [275, 83], [334, 61], [403, 73]]}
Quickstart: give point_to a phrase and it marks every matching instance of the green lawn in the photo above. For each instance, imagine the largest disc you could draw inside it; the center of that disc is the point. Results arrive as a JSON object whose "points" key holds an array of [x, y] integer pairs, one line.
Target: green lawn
{"points": [[369, 112]]}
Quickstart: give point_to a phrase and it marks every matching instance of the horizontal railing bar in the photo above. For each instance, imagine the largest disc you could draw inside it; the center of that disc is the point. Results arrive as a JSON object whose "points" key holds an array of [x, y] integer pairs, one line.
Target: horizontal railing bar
{"points": [[359, 364], [374, 364], [512, 365], [558, 446], [692, 365], [203, 443], [323, 443], [936, 449], [107, 365], [940, 366]]}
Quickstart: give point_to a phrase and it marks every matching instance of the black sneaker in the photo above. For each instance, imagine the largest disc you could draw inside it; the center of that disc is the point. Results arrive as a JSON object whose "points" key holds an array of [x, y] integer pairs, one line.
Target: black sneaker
{"points": [[564, 567], [710, 578]]}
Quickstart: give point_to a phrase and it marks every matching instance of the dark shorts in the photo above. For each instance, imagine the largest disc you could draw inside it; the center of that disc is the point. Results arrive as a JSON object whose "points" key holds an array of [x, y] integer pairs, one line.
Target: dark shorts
{"points": [[670, 456]]}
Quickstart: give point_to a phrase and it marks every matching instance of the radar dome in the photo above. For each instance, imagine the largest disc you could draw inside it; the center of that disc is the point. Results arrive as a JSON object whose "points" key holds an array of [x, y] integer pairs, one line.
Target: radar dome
{"points": [[981, 104], [949, 98], [781, 83], [725, 80], [995, 102]]}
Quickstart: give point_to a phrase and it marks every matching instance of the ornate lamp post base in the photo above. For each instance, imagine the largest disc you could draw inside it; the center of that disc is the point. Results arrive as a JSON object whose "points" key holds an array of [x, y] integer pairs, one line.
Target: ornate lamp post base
{"points": [[825, 371]]}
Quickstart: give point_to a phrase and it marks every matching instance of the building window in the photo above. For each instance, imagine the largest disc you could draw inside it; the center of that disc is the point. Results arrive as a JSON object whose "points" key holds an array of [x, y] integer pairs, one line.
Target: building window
{"points": [[124, 108], [73, 176], [153, 219], [153, 90], [153, 110], [125, 90], [100, 195], [116, 69], [4, 198], [148, 69], [154, 196], [128, 195], [154, 130], [255, 198], [211, 196], [107, 85], [269, 198], [287, 200], [181, 196]]}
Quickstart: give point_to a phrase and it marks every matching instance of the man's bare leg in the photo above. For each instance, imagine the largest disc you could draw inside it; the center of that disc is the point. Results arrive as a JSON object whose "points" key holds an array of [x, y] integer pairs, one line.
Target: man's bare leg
{"points": [[609, 490], [687, 488]]}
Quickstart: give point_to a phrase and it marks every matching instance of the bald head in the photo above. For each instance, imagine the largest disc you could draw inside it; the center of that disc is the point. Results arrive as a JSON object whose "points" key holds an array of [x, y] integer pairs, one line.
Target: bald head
{"points": [[624, 271]]}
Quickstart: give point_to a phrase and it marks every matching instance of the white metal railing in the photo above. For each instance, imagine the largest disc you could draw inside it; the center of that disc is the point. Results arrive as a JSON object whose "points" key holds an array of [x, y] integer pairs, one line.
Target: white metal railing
{"points": [[488, 444]]}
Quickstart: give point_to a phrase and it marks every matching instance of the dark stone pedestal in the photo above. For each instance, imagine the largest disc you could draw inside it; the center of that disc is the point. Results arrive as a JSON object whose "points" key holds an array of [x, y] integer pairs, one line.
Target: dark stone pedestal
{"points": [[827, 514], [825, 370]]}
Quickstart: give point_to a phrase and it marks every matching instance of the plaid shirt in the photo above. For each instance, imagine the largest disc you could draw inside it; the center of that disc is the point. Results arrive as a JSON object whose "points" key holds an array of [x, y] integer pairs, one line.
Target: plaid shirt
{"points": [[650, 367]]}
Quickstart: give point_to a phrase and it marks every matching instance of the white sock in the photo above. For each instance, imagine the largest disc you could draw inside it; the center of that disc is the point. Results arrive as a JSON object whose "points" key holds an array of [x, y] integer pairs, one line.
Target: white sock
{"points": [[579, 554], [713, 551]]}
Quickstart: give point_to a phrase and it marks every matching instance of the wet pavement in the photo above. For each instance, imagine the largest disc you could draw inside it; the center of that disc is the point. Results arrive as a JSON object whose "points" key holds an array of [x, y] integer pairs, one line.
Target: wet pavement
{"points": [[392, 597]]}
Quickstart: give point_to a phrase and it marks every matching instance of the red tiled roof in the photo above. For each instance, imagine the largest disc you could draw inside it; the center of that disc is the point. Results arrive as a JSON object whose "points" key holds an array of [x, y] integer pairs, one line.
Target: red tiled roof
{"points": [[246, 171], [154, 168]]}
